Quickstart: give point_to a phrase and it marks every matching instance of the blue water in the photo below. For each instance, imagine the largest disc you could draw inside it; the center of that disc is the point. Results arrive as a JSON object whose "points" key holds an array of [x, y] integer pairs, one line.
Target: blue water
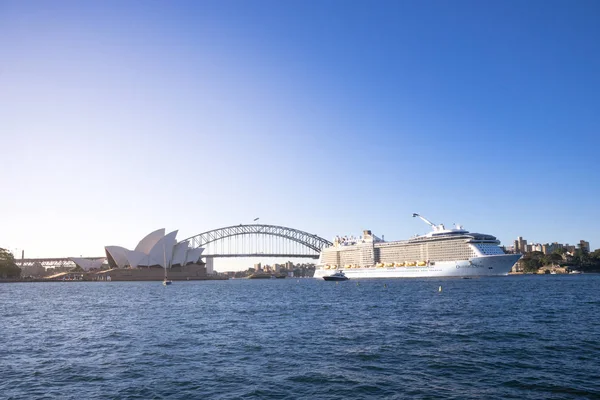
{"points": [[522, 337]]}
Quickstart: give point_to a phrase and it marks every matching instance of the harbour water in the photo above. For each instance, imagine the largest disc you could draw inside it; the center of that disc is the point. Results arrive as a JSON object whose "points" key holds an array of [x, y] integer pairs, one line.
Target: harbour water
{"points": [[520, 337]]}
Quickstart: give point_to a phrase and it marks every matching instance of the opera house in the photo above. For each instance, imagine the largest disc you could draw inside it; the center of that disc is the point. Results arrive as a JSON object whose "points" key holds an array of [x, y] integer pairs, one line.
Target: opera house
{"points": [[153, 254]]}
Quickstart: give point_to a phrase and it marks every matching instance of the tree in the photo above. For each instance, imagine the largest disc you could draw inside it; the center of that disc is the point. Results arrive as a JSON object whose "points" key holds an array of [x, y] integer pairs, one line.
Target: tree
{"points": [[532, 261], [555, 258], [530, 264], [8, 268], [560, 250]]}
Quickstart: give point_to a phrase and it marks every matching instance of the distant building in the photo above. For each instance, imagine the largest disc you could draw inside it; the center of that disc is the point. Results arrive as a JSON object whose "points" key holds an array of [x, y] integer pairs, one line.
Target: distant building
{"points": [[258, 267], [520, 245], [546, 248], [585, 246]]}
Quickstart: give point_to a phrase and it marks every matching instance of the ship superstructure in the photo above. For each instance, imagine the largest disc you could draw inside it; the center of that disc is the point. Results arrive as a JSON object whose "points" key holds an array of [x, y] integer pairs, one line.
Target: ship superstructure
{"points": [[441, 252]]}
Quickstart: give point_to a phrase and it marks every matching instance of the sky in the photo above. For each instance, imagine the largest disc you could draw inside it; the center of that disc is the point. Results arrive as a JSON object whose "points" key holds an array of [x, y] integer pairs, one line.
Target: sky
{"points": [[121, 117]]}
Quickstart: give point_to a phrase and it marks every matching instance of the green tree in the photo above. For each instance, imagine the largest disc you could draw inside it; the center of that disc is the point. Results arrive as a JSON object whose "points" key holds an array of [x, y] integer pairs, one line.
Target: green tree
{"points": [[555, 258], [8, 268], [532, 261], [594, 261], [580, 258], [531, 264], [560, 250]]}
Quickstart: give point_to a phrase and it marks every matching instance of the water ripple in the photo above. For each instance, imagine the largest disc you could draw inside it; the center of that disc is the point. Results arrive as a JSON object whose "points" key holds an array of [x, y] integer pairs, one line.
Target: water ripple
{"points": [[495, 338]]}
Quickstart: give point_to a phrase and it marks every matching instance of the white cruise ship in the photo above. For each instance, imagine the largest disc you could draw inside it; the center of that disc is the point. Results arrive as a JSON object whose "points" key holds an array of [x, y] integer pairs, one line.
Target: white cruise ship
{"points": [[440, 253]]}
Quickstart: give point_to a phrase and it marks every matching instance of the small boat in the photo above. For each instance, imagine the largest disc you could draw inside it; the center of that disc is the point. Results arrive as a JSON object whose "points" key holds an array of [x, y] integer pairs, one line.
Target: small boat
{"points": [[338, 276], [167, 282]]}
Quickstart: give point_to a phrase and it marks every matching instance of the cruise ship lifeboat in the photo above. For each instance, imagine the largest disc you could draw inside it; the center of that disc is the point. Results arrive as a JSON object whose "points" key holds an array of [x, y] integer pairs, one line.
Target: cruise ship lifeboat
{"points": [[379, 265], [421, 263], [410, 263], [389, 265], [399, 264]]}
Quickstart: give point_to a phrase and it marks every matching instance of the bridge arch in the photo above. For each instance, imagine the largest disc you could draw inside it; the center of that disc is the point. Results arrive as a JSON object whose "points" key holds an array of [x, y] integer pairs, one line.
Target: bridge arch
{"points": [[258, 240]]}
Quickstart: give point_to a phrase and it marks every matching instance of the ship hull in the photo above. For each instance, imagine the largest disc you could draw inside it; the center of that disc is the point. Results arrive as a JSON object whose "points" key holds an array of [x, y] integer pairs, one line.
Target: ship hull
{"points": [[496, 265]]}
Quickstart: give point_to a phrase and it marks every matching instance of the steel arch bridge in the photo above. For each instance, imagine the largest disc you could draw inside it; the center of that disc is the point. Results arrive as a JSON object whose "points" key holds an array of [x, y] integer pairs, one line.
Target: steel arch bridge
{"points": [[258, 241]]}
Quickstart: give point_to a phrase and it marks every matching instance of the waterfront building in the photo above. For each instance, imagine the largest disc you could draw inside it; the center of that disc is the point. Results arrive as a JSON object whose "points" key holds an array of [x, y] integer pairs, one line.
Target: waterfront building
{"points": [[153, 254], [154, 250]]}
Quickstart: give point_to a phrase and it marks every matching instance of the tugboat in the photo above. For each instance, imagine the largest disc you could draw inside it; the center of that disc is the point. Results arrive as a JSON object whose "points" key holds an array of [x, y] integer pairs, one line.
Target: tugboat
{"points": [[338, 276]]}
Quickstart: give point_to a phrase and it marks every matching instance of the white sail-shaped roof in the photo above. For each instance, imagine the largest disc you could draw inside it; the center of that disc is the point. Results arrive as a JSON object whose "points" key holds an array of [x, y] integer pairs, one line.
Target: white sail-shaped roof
{"points": [[193, 255], [156, 249], [179, 253], [118, 254], [86, 263], [146, 244], [136, 258], [162, 252]]}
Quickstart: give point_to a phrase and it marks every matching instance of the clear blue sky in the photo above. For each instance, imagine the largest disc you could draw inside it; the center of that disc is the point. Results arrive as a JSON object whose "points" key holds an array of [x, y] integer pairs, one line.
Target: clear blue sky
{"points": [[121, 117]]}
